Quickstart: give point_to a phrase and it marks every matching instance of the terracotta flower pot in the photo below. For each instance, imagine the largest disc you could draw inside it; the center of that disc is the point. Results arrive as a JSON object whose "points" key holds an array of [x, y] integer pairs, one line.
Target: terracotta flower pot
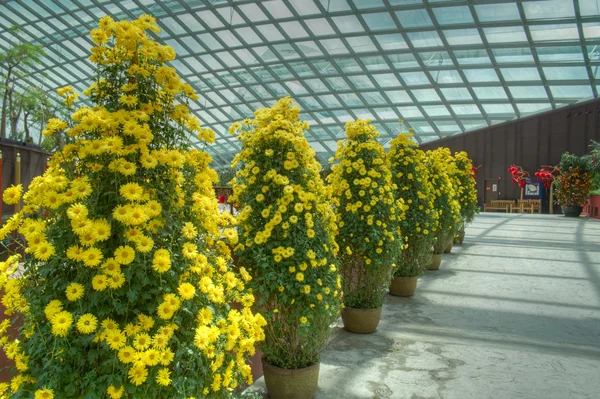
{"points": [[436, 260], [361, 321], [291, 384], [460, 237], [572, 211], [403, 286]]}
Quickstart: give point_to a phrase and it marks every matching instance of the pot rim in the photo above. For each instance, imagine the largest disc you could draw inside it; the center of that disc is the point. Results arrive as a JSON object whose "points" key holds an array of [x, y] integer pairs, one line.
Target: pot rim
{"points": [[283, 371]]}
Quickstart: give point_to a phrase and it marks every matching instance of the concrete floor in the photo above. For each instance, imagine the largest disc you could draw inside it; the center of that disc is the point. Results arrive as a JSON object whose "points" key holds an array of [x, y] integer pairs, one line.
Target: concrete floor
{"points": [[512, 313]]}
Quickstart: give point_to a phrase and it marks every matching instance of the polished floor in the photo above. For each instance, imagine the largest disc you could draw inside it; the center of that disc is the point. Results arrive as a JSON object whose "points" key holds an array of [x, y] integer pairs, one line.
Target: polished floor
{"points": [[512, 313]]}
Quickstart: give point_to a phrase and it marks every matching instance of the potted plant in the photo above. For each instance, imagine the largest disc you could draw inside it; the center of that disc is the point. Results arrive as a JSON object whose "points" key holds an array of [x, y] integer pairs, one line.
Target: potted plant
{"points": [[466, 192], [573, 183], [440, 165], [287, 244], [411, 183], [127, 289], [361, 192]]}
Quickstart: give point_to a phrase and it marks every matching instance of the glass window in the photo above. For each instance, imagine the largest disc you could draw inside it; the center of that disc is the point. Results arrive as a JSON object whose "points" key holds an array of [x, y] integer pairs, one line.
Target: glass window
{"points": [[481, 75], [414, 18], [374, 63], [374, 97], [472, 57], [270, 32], [281, 71], [589, 8], [456, 93], [422, 127], [497, 12], [548, 9], [513, 55], [566, 73], [490, 93], [351, 100], [207, 16], [248, 35], [520, 74], [362, 114], [338, 84], [335, 5], [425, 39], [330, 101], [360, 4], [316, 85], [305, 7], [506, 34], [571, 92], [253, 12], [591, 30], [403, 61], [296, 88], [286, 51], [560, 53], [426, 95], [309, 48], [393, 41], [410, 112], [334, 46], [436, 58], [436, 110], [379, 21], [414, 78], [498, 109], [348, 65], [386, 113], [446, 77], [398, 96], [465, 109], [361, 82], [453, 15], [302, 69], [324, 67], [319, 26], [459, 37], [540, 33], [293, 29], [277, 9], [447, 127], [528, 92], [361, 44], [386, 80], [348, 24], [277, 89]]}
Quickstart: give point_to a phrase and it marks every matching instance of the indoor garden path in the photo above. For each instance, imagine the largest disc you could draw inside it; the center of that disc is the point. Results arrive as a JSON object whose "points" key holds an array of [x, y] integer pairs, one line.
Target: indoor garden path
{"points": [[512, 313]]}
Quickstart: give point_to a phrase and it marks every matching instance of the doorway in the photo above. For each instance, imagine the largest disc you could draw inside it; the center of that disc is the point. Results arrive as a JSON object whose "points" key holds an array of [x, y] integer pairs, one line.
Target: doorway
{"points": [[491, 190]]}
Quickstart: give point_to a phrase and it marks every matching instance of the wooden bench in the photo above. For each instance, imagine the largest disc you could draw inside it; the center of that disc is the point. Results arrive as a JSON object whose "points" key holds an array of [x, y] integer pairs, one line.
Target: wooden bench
{"points": [[530, 205], [499, 205]]}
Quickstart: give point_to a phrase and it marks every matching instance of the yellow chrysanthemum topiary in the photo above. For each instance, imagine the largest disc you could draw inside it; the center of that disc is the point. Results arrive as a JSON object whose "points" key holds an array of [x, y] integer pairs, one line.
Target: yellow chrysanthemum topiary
{"points": [[441, 168], [412, 184], [126, 289], [286, 228], [368, 216], [466, 190]]}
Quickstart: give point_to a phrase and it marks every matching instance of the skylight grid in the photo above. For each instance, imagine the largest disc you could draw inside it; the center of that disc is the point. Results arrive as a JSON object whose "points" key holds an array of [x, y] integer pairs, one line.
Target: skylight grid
{"points": [[443, 68]]}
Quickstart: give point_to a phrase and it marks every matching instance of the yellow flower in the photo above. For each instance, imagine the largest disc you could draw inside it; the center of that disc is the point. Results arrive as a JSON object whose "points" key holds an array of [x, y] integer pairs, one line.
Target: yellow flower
{"points": [[44, 393], [100, 282], [303, 320], [132, 191], [138, 375], [186, 290], [163, 377], [74, 292], [127, 354], [12, 195], [114, 392], [124, 255], [87, 323], [161, 261], [189, 231], [61, 322], [300, 277]]}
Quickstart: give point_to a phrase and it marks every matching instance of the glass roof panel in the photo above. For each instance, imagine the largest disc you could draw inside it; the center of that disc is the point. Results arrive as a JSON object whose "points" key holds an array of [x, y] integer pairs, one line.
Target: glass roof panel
{"points": [[453, 15], [414, 18], [444, 67], [498, 12], [548, 9]]}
